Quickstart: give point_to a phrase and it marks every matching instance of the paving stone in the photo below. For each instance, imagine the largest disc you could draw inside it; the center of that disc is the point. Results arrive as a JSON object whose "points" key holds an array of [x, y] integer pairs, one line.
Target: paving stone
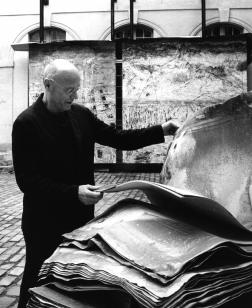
{"points": [[2, 250], [17, 271], [2, 271], [6, 266], [13, 250], [7, 280], [16, 258], [2, 290], [21, 263], [5, 301], [13, 291], [8, 244], [4, 231], [17, 238], [12, 246], [4, 256]]}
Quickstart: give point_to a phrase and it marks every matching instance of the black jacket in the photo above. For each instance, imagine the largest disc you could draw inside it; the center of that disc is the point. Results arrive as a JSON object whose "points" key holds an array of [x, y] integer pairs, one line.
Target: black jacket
{"points": [[48, 179]]}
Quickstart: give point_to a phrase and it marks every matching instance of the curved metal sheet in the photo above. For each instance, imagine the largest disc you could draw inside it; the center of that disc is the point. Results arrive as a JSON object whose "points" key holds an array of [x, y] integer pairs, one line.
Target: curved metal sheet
{"points": [[211, 155]]}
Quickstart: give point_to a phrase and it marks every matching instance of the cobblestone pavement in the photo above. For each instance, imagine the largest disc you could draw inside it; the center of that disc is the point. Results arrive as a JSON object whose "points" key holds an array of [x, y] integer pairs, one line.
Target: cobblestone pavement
{"points": [[12, 251]]}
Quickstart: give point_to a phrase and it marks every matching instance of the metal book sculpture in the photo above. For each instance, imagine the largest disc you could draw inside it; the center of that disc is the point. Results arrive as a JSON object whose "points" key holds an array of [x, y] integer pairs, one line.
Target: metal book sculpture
{"points": [[191, 246]]}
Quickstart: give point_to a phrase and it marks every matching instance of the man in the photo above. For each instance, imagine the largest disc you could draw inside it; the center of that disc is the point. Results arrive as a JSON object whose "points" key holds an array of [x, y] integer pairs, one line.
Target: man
{"points": [[53, 151]]}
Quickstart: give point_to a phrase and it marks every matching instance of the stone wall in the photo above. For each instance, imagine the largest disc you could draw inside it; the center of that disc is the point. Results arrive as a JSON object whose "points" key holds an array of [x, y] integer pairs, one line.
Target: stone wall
{"points": [[171, 79]]}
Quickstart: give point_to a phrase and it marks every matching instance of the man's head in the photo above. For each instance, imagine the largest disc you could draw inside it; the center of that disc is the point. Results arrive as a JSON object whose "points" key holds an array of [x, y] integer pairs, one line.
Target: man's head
{"points": [[61, 81]]}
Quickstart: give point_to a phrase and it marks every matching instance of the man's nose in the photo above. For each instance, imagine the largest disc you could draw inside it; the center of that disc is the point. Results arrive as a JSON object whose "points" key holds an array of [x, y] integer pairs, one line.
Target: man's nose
{"points": [[75, 95]]}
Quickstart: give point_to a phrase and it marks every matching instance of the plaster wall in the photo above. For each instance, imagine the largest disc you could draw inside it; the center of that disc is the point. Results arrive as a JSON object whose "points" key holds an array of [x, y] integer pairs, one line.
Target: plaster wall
{"points": [[242, 17], [90, 20], [10, 28], [5, 108], [170, 21], [89, 26]]}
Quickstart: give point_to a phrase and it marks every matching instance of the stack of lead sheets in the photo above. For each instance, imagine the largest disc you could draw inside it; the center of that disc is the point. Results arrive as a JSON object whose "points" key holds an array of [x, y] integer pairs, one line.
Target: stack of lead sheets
{"points": [[180, 250]]}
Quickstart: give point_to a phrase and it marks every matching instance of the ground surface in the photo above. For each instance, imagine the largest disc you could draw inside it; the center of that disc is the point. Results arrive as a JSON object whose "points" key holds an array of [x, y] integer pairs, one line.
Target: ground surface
{"points": [[12, 250]]}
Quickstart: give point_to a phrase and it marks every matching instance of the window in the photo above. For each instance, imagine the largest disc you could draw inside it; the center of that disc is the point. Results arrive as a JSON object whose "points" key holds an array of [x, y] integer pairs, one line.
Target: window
{"points": [[140, 32], [50, 35], [223, 29]]}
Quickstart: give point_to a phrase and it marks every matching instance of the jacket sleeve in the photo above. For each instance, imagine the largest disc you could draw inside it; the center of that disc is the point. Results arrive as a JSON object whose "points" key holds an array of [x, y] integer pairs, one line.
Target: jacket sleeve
{"points": [[27, 166], [130, 139]]}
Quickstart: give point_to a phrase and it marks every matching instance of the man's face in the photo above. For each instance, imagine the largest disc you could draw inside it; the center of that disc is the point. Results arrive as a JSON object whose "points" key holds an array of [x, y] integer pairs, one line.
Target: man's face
{"points": [[63, 91]]}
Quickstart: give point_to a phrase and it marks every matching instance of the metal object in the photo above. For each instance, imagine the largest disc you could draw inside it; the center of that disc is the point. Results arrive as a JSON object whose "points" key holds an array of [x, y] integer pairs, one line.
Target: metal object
{"points": [[41, 23], [119, 94], [211, 154], [132, 19], [203, 16], [113, 19], [249, 62]]}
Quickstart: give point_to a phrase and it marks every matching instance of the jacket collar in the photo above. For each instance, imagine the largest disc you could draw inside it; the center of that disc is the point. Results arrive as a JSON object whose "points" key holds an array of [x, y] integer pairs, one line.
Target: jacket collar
{"points": [[40, 108]]}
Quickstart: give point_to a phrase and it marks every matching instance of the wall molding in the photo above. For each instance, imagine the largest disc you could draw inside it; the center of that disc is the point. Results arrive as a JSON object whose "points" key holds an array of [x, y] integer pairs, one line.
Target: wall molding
{"points": [[232, 20], [21, 35], [106, 34]]}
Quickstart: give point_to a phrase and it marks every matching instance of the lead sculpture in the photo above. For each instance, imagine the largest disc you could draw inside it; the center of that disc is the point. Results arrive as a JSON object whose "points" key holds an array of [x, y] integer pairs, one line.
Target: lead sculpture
{"points": [[147, 251]]}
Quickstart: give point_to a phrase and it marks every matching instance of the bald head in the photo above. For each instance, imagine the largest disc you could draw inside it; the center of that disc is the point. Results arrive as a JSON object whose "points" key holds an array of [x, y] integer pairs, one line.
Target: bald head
{"points": [[62, 82], [61, 70]]}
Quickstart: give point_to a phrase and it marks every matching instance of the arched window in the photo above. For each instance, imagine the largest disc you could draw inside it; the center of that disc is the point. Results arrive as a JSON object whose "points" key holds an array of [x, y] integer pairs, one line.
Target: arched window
{"points": [[140, 32], [223, 29], [51, 34]]}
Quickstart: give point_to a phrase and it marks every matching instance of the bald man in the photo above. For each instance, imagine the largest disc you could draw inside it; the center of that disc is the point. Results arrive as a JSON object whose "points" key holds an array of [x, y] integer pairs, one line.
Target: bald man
{"points": [[53, 153]]}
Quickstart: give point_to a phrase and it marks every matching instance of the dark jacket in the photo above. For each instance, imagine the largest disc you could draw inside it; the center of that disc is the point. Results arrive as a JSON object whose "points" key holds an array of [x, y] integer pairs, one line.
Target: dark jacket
{"points": [[48, 179]]}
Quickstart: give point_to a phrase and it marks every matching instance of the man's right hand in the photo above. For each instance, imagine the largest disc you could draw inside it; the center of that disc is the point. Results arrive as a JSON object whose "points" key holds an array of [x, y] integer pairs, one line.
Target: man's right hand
{"points": [[88, 195]]}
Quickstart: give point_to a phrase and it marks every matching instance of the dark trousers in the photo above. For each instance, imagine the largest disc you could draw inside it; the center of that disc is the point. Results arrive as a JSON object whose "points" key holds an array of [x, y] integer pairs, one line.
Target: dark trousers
{"points": [[38, 249]]}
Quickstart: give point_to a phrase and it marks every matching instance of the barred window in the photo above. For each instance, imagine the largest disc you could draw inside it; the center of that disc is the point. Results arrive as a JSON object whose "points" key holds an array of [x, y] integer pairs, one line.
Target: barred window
{"points": [[223, 30], [140, 32], [51, 34]]}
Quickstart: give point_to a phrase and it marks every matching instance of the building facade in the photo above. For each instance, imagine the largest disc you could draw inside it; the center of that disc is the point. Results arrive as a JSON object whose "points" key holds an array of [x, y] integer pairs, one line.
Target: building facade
{"points": [[91, 20]]}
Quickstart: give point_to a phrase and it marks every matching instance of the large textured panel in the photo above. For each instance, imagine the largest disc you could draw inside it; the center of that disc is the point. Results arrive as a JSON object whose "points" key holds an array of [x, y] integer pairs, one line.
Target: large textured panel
{"points": [[5, 113], [174, 78], [211, 154], [96, 63]]}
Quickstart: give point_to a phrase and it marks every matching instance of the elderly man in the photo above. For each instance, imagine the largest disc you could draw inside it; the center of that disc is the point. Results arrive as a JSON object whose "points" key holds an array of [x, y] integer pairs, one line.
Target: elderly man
{"points": [[53, 153]]}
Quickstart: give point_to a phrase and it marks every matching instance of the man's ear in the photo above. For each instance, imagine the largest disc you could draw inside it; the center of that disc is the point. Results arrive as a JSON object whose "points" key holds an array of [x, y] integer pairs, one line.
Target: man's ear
{"points": [[47, 83]]}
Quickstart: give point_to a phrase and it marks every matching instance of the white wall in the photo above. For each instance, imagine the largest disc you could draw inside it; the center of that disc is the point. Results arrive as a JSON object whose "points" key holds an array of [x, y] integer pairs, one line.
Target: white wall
{"points": [[90, 20]]}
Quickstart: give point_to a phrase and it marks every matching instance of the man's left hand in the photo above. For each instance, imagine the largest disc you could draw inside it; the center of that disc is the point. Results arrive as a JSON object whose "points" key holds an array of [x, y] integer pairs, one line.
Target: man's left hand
{"points": [[170, 127]]}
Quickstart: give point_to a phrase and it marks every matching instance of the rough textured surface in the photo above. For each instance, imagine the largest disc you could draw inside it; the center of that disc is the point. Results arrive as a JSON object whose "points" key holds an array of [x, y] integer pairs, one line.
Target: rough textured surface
{"points": [[174, 79], [211, 154], [166, 79], [96, 63]]}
